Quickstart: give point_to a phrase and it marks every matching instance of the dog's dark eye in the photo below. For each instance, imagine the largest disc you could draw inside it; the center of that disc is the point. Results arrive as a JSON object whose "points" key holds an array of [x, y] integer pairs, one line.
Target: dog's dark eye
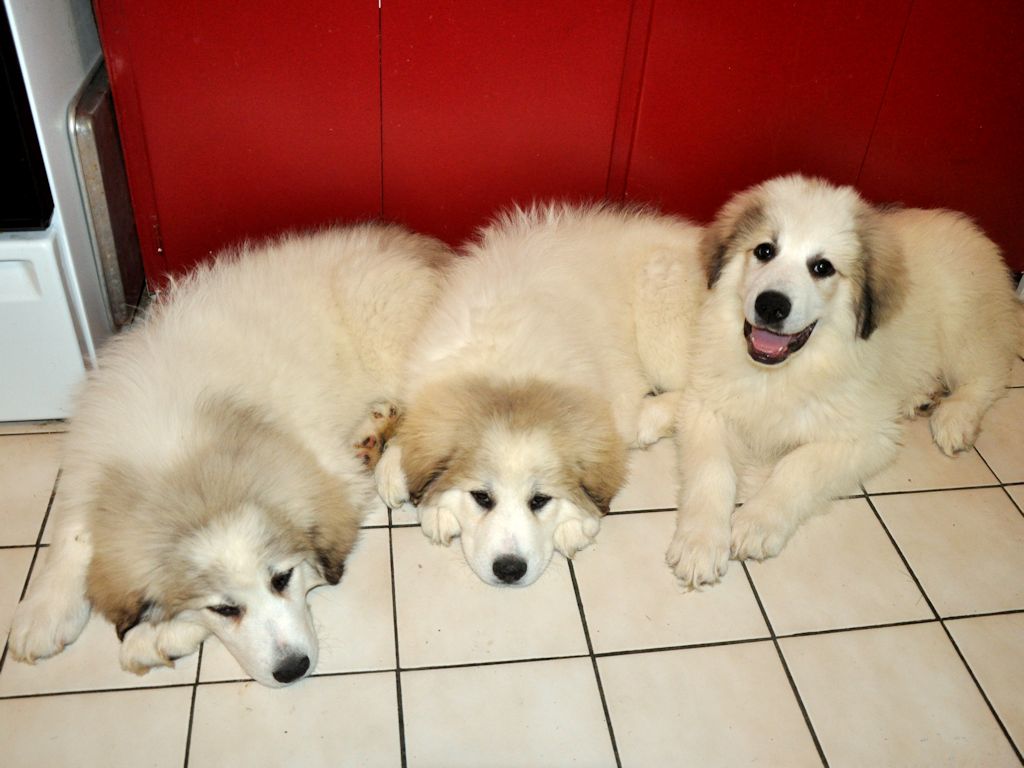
{"points": [[822, 268], [226, 610], [280, 582], [765, 251], [539, 501], [483, 498]]}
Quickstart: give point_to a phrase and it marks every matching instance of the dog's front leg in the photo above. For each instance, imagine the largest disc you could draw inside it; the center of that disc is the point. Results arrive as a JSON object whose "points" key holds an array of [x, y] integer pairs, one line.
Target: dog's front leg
{"points": [[699, 552], [802, 484], [56, 608], [159, 645]]}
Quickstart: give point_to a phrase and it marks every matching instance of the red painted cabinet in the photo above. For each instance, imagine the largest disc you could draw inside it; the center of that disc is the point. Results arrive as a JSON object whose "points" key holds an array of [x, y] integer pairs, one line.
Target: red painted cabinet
{"points": [[734, 95], [950, 132], [241, 119]]}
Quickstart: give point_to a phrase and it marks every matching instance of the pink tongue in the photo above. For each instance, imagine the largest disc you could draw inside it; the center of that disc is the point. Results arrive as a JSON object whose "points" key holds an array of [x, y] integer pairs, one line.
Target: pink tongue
{"points": [[768, 343]]}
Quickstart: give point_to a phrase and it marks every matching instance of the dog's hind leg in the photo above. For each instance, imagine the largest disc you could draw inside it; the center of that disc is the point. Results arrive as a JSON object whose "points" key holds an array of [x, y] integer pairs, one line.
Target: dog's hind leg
{"points": [[955, 422], [56, 608], [147, 645], [374, 431], [657, 418]]}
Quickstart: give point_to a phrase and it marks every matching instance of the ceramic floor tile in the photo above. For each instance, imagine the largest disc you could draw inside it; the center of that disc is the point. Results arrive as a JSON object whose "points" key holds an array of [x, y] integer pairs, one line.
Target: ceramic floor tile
{"points": [[1017, 494], [58, 510], [128, 728], [14, 565], [534, 714], [446, 615], [720, 706], [1000, 441], [90, 663], [354, 619], [966, 547], [921, 466], [652, 479], [992, 646], [404, 515], [348, 720], [839, 570], [898, 696], [378, 515], [28, 469], [633, 601]]}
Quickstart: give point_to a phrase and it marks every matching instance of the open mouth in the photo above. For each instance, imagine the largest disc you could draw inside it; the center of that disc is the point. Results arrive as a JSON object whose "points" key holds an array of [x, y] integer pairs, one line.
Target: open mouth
{"points": [[772, 348]]}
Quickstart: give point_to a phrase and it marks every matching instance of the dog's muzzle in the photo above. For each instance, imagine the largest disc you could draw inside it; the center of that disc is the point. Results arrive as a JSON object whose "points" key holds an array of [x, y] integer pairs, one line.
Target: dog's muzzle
{"points": [[771, 348]]}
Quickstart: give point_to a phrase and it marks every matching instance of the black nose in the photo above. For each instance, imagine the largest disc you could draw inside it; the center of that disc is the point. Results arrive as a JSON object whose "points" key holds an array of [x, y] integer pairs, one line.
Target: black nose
{"points": [[509, 568], [772, 307], [292, 669]]}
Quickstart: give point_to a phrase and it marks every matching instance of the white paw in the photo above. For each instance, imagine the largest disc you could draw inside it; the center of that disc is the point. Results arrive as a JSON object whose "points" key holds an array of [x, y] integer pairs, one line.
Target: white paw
{"points": [[657, 418], [576, 534], [699, 556], [954, 427], [438, 524], [390, 478], [758, 532], [45, 622], [140, 652]]}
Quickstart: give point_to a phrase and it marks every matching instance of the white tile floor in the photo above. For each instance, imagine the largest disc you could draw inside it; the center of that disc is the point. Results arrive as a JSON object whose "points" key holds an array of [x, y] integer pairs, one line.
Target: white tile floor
{"points": [[889, 632]]}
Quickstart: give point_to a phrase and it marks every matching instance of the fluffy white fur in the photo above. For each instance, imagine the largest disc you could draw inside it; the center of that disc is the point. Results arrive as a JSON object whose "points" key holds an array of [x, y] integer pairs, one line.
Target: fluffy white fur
{"points": [[211, 460], [595, 301], [919, 311]]}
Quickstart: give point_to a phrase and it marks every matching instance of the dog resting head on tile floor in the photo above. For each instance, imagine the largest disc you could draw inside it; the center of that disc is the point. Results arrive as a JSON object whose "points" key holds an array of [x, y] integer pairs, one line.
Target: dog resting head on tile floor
{"points": [[558, 341], [829, 321], [215, 470]]}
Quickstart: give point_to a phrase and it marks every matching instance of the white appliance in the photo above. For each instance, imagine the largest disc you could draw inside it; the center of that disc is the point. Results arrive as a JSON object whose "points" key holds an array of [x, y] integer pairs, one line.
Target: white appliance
{"points": [[53, 306]]}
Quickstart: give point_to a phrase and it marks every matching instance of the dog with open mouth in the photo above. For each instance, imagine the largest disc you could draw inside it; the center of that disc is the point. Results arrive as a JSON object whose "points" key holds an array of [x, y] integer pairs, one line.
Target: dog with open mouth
{"points": [[828, 321]]}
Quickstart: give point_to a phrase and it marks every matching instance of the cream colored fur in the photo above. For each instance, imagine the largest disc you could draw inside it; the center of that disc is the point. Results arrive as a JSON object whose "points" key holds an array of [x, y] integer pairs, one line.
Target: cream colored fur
{"points": [[213, 449], [920, 305], [561, 300]]}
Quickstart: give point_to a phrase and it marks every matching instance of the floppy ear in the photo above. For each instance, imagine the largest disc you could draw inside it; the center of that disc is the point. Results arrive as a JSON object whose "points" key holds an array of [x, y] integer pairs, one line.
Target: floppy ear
{"points": [[599, 472], [884, 277], [434, 434], [130, 614], [736, 221], [335, 531], [116, 578]]}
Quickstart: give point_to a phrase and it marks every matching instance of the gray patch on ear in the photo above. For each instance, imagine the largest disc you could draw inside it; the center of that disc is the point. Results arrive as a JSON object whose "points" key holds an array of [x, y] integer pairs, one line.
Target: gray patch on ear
{"points": [[717, 249], [416, 494], [602, 504], [130, 619]]}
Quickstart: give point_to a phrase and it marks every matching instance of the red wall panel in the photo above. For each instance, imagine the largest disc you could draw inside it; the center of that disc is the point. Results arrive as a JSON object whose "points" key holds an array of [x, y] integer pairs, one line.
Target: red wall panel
{"points": [[241, 118], [489, 102], [737, 91], [951, 130]]}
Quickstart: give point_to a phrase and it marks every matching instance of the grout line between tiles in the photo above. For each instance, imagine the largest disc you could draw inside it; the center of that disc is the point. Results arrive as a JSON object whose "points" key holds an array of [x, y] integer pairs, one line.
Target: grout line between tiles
{"points": [[192, 705], [785, 667], [593, 661], [32, 563], [942, 623], [981, 690], [903, 558], [398, 659], [1001, 484]]}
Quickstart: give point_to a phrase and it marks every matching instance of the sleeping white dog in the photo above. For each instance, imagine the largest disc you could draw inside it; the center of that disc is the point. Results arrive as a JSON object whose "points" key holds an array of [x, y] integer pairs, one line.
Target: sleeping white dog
{"points": [[828, 321], [555, 345]]}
